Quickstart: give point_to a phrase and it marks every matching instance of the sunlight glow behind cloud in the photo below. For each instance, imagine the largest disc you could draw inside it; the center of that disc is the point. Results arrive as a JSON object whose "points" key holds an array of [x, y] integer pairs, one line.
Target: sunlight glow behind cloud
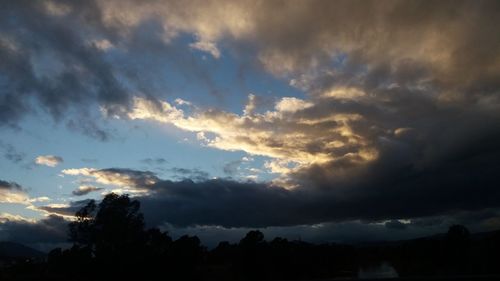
{"points": [[292, 133]]}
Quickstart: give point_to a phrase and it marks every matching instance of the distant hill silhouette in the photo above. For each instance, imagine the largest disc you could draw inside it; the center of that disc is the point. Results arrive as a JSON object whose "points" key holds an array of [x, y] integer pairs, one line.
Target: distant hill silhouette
{"points": [[439, 236], [16, 250]]}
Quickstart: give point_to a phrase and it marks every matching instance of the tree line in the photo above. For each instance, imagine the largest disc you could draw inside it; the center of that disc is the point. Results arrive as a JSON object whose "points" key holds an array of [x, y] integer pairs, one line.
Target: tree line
{"points": [[110, 241]]}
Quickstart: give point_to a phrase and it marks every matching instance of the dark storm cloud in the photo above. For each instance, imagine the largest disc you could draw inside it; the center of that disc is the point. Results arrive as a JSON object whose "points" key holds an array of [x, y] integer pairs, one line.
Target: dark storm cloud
{"points": [[377, 34], [52, 229], [409, 180], [44, 57], [68, 210], [383, 191], [57, 54], [428, 158], [217, 202], [405, 183], [10, 185], [225, 209]]}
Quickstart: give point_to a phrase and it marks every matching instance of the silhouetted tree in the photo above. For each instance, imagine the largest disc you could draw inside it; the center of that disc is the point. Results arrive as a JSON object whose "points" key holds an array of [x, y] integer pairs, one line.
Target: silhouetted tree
{"points": [[112, 231], [458, 234], [251, 262], [252, 239], [81, 230], [75, 260], [157, 242], [185, 255], [110, 237], [457, 248]]}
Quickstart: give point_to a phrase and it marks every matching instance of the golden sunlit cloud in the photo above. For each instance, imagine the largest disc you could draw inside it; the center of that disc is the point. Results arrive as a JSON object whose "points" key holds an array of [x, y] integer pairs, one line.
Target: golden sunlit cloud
{"points": [[291, 134], [13, 196], [7, 217], [11, 192], [127, 180]]}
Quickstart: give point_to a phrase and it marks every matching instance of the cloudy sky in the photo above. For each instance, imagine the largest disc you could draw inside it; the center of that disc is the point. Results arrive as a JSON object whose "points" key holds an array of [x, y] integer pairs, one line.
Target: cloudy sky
{"points": [[329, 121]]}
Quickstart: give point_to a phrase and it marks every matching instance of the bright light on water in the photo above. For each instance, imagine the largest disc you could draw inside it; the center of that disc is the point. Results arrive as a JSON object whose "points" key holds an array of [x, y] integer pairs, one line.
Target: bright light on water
{"points": [[382, 270]]}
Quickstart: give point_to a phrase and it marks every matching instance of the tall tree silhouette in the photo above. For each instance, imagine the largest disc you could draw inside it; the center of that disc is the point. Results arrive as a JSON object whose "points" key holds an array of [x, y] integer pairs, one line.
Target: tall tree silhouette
{"points": [[251, 262], [457, 248], [81, 230], [113, 230]]}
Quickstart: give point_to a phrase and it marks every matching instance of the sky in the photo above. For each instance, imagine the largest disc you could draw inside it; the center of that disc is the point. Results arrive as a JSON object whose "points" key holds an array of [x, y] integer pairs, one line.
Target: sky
{"points": [[327, 121]]}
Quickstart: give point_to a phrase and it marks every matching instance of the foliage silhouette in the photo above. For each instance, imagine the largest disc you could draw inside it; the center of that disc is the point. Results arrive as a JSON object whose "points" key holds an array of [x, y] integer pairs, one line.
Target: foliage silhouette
{"points": [[457, 249], [113, 231], [110, 241], [112, 235]]}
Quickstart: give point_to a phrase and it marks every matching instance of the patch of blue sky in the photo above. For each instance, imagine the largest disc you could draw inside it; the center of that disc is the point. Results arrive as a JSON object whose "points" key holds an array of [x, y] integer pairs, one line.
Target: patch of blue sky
{"points": [[135, 141], [175, 70], [34, 140]]}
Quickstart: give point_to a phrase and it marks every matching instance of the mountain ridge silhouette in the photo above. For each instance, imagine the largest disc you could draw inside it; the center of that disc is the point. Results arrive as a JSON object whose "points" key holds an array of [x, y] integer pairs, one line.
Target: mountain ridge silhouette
{"points": [[10, 249]]}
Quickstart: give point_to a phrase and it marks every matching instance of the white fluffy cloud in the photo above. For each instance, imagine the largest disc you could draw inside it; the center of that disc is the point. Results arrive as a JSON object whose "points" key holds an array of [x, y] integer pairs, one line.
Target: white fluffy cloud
{"points": [[13, 196], [48, 160], [208, 47]]}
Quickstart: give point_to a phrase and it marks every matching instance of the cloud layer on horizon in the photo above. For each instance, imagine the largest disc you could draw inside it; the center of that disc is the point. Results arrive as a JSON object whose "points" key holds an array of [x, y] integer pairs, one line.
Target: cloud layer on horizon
{"points": [[229, 203]]}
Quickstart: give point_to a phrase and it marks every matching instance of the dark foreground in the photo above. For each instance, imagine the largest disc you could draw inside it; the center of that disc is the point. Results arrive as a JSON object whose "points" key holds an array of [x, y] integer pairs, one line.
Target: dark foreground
{"points": [[110, 242], [424, 278]]}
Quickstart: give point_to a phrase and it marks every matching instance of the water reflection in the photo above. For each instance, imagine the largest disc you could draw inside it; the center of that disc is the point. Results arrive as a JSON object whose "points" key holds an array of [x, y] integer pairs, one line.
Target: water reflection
{"points": [[381, 270]]}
